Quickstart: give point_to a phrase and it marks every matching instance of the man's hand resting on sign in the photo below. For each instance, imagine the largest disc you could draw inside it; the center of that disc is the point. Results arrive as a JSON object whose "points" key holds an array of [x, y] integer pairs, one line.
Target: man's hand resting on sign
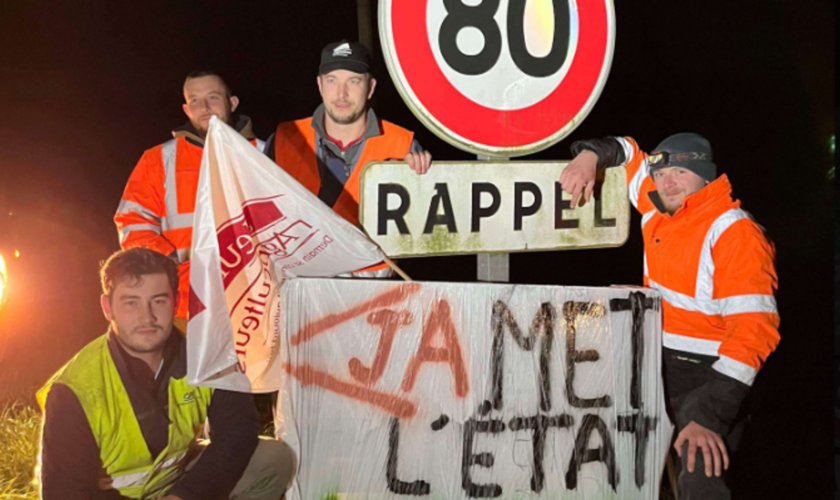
{"points": [[419, 161], [579, 177], [709, 442]]}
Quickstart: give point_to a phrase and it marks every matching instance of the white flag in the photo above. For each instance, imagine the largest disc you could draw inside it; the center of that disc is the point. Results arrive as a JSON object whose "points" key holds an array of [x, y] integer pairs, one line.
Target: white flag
{"points": [[254, 226]]}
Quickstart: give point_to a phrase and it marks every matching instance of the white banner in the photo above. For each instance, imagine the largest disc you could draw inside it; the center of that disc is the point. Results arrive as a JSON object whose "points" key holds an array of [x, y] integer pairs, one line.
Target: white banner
{"points": [[254, 226], [447, 391]]}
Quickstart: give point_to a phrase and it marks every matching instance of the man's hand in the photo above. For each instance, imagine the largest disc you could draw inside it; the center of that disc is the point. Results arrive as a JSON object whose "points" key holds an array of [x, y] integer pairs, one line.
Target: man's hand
{"points": [[419, 161], [579, 177], [710, 443], [105, 482]]}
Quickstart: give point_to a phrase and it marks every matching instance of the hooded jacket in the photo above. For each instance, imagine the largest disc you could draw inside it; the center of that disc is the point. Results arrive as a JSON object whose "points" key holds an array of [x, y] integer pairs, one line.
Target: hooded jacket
{"points": [[716, 272]]}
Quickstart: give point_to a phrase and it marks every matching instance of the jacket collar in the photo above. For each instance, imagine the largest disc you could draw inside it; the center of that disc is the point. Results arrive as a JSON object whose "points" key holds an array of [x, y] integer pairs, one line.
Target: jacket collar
{"points": [[188, 132], [717, 191], [129, 367], [372, 130]]}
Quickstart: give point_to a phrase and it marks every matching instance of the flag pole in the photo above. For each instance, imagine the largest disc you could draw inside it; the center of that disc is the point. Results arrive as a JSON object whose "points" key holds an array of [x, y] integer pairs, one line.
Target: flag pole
{"points": [[396, 269]]}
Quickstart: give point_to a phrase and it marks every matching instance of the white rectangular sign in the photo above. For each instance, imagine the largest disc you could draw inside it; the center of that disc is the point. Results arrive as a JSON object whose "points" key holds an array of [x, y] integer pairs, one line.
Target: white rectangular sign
{"points": [[457, 391], [487, 207]]}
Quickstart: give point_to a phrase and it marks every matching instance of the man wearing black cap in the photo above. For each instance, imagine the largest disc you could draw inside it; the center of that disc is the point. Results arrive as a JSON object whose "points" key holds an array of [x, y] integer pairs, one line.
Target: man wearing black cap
{"points": [[716, 272], [327, 151]]}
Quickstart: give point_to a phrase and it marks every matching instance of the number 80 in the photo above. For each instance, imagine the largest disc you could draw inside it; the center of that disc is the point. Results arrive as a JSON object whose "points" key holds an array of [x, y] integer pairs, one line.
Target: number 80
{"points": [[460, 16]]}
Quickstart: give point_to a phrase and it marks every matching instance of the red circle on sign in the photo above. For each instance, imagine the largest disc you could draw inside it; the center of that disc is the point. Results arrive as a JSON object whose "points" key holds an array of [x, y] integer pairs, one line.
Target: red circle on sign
{"points": [[493, 128]]}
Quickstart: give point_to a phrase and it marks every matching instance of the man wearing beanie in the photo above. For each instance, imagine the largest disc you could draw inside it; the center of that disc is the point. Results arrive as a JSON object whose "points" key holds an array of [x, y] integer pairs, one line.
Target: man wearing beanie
{"points": [[327, 151], [716, 272]]}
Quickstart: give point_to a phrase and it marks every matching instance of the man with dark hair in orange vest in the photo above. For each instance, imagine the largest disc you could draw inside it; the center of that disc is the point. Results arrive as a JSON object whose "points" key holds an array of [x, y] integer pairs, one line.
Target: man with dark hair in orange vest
{"points": [[327, 151], [156, 210], [716, 272]]}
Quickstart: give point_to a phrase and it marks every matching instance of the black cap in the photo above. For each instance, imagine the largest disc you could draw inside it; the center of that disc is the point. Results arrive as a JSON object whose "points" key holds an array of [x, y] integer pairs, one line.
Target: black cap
{"points": [[687, 150], [352, 56]]}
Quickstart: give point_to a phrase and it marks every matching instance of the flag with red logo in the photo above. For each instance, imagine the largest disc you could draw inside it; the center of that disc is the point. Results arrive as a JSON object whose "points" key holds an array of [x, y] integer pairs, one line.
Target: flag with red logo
{"points": [[254, 226]]}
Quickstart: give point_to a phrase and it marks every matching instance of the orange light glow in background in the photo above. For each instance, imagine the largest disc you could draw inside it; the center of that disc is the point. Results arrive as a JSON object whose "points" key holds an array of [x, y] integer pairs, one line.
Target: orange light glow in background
{"points": [[4, 280]]}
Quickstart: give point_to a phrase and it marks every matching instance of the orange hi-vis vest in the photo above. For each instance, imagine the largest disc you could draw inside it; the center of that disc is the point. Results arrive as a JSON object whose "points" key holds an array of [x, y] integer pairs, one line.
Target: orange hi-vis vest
{"points": [[156, 210], [715, 270], [295, 151]]}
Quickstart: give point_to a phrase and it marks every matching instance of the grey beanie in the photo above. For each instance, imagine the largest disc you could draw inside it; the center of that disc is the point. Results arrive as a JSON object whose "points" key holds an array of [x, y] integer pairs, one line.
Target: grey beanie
{"points": [[687, 150]]}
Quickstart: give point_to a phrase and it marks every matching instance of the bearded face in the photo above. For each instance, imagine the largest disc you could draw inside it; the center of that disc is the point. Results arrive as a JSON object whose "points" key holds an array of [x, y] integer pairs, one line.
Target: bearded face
{"points": [[345, 95]]}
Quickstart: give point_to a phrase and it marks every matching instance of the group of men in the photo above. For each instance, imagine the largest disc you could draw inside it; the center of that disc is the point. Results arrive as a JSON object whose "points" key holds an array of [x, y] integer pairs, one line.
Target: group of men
{"points": [[120, 421], [322, 152]]}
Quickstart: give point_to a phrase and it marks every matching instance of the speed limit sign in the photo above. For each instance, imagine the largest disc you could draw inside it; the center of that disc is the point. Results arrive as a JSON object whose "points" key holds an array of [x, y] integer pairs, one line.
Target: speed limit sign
{"points": [[499, 78]]}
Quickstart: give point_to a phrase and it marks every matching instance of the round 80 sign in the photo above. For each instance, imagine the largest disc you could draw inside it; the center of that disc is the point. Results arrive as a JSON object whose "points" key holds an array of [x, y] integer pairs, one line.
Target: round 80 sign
{"points": [[499, 77]]}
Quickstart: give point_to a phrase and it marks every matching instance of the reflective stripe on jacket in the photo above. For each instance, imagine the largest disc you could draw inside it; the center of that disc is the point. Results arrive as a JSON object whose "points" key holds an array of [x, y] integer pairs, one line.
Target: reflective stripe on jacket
{"points": [[715, 270], [294, 150], [156, 210], [94, 379]]}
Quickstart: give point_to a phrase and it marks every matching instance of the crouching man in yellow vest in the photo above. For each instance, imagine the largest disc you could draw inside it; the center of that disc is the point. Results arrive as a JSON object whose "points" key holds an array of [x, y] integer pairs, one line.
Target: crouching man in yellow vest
{"points": [[120, 420]]}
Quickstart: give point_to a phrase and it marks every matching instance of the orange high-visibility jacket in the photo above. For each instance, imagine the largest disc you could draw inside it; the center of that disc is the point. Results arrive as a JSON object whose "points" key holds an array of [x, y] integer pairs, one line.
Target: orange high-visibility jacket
{"points": [[714, 268], [294, 151], [156, 210]]}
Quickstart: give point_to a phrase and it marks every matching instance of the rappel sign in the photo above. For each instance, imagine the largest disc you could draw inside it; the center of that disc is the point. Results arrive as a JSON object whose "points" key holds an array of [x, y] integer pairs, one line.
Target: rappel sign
{"points": [[474, 207]]}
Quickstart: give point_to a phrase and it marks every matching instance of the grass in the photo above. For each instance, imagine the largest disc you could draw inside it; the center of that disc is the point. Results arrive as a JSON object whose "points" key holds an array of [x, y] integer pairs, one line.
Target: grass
{"points": [[20, 427]]}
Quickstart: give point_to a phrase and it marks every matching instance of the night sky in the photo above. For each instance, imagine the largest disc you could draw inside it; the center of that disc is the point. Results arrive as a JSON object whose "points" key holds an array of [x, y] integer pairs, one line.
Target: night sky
{"points": [[86, 87]]}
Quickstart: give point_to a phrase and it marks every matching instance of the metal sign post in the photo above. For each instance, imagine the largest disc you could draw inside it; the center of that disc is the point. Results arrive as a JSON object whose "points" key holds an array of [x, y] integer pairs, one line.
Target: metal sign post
{"points": [[493, 267], [364, 19]]}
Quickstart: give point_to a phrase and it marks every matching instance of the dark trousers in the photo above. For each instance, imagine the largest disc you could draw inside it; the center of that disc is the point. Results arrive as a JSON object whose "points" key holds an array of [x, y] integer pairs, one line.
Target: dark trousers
{"points": [[682, 374]]}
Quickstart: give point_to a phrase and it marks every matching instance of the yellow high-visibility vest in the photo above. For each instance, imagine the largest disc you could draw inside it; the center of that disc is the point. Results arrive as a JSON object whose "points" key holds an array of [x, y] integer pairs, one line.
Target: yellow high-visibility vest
{"points": [[94, 379]]}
